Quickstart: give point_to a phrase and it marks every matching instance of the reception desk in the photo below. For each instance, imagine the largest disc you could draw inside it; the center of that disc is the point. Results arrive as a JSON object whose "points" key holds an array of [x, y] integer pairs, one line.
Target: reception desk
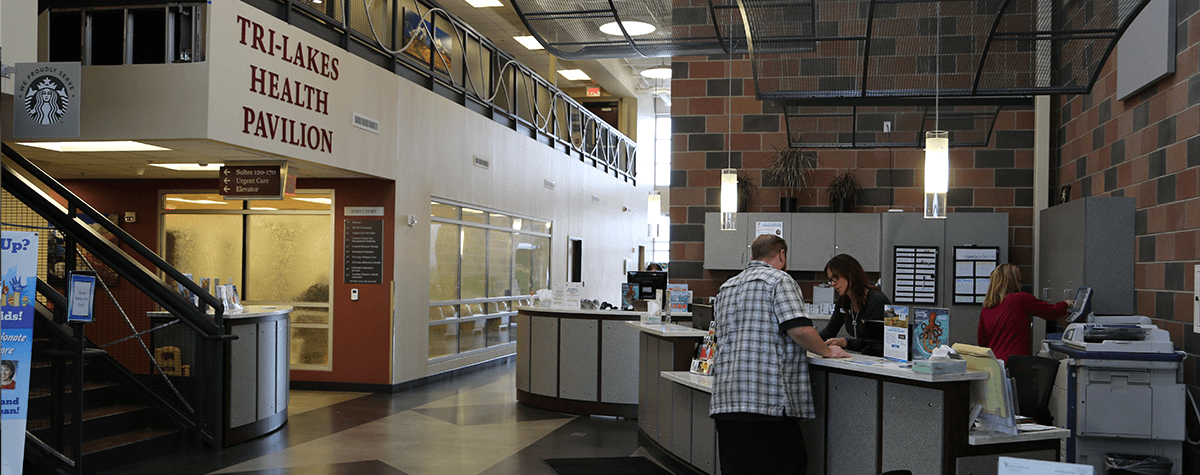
{"points": [[872, 416], [256, 368], [578, 361]]}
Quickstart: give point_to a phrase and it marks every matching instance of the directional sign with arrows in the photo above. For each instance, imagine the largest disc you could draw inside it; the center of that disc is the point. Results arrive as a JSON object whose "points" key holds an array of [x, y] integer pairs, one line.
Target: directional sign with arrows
{"points": [[252, 182]]}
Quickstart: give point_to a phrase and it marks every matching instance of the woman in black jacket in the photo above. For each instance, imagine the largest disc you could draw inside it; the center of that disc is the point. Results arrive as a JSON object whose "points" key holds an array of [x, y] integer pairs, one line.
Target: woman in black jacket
{"points": [[857, 303]]}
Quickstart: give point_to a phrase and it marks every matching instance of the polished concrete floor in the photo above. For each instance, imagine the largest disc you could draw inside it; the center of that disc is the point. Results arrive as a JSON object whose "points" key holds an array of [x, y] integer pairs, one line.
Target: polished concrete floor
{"points": [[468, 424]]}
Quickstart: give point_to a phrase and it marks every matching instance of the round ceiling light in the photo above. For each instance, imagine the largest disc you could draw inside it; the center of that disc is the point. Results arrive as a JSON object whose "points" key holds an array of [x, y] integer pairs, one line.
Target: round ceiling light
{"points": [[634, 28], [660, 72]]}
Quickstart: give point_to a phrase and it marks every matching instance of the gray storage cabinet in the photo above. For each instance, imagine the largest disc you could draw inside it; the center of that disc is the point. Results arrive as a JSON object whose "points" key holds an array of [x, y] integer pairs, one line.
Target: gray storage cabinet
{"points": [[1089, 243], [813, 239]]}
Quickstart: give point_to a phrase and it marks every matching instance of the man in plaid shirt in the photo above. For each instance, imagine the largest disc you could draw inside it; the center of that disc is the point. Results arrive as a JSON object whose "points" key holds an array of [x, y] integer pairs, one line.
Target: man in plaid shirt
{"points": [[762, 389]]}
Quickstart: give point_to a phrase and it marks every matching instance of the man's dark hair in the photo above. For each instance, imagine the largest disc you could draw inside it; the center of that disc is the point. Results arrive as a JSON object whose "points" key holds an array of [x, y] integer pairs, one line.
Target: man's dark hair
{"points": [[766, 246]]}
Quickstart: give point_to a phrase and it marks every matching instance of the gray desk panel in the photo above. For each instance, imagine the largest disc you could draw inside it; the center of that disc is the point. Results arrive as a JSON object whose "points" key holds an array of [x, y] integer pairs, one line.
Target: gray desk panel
{"points": [[282, 357], [911, 410], [853, 406], [243, 370], [681, 421], [618, 378], [265, 360], [647, 362], [543, 356], [522, 351], [666, 354], [704, 433], [578, 371]]}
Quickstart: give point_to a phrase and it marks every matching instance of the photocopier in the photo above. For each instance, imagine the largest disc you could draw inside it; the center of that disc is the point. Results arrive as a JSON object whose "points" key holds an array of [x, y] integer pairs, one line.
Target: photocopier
{"points": [[1119, 390]]}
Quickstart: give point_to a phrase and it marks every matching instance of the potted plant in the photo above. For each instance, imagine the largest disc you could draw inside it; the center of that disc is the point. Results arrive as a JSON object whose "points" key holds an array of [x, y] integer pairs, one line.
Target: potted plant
{"points": [[746, 190], [790, 169], [843, 191]]}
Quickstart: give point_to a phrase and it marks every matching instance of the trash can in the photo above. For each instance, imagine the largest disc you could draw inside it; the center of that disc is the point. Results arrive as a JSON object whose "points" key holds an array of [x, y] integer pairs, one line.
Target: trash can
{"points": [[1137, 464]]}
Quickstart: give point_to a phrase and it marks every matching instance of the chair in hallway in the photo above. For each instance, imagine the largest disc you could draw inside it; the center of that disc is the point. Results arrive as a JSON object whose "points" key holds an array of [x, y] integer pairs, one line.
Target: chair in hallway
{"points": [[1034, 377]]}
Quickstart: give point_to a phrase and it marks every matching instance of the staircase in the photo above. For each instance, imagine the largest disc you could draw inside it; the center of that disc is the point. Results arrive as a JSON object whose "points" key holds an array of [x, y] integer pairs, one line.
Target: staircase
{"points": [[122, 407], [120, 426]]}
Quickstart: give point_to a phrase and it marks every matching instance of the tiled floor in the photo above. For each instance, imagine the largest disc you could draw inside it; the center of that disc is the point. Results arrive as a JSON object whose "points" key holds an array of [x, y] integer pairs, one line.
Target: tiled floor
{"points": [[469, 424]]}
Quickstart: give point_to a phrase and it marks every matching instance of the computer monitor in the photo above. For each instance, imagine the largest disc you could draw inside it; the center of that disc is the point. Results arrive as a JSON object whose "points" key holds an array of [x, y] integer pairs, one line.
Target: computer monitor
{"points": [[702, 315], [649, 281], [1082, 308]]}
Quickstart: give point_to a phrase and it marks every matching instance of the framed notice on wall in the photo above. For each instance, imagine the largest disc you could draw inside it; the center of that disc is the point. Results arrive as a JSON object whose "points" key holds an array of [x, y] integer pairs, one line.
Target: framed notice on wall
{"points": [[972, 272], [915, 274]]}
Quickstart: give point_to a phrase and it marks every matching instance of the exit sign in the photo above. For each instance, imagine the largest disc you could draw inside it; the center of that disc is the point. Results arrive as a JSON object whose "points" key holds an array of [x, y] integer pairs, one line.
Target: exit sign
{"points": [[593, 92]]}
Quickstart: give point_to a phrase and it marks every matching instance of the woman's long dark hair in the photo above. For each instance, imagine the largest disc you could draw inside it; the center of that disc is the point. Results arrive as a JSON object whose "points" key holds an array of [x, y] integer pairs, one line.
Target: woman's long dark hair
{"points": [[843, 265]]}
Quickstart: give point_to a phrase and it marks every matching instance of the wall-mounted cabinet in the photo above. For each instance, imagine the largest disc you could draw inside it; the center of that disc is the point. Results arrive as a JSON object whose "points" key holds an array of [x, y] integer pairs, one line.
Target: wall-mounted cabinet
{"points": [[813, 238]]}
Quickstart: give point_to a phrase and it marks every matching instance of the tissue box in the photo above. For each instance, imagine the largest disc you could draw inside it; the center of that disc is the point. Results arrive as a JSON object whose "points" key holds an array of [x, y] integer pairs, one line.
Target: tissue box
{"points": [[939, 367]]}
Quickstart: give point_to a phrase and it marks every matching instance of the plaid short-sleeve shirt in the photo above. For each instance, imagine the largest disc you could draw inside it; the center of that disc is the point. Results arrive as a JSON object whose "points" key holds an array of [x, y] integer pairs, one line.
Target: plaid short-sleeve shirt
{"points": [[759, 369]]}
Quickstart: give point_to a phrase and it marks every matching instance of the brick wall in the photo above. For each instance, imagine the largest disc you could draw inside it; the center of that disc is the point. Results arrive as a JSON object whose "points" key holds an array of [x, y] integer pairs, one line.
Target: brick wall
{"points": [[1148, 147], [707, 113]]}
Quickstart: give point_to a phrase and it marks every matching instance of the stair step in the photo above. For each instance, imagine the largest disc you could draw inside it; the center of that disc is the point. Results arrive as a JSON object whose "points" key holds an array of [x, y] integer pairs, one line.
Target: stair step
{"points": [[87, 386], [88, 415], [127, 438]]}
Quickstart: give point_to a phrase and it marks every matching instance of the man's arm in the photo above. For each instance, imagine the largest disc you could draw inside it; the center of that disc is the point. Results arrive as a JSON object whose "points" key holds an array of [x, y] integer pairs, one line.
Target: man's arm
{"points": [[809, 339]]}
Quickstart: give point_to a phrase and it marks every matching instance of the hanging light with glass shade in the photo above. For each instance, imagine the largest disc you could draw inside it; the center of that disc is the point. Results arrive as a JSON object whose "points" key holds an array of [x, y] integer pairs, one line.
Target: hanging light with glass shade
{"points": [[653, 211], [937, 144], [729, 199], [937, 172]]}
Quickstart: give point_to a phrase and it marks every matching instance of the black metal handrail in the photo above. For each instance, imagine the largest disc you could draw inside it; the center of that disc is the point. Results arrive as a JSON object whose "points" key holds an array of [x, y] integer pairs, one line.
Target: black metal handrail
{"points": [[29, 184]]}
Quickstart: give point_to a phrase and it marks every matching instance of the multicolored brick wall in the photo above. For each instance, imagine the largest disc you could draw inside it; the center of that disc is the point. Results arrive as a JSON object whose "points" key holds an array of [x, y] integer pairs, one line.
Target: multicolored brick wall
{"points": [[707, 113], [1148, 147]]}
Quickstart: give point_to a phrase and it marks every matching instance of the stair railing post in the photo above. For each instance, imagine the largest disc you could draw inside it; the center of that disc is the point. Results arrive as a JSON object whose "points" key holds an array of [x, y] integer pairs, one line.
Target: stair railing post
{"points": [[77, 414]]}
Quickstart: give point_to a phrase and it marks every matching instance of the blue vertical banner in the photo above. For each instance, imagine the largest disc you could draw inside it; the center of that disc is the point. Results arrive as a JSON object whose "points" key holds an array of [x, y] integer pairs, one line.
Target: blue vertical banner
{"points": [[18, 268]]}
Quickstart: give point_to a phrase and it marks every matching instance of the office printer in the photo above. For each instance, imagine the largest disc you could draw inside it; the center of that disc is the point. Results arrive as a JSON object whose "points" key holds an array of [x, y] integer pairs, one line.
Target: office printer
{"points": [[1123, 334]]}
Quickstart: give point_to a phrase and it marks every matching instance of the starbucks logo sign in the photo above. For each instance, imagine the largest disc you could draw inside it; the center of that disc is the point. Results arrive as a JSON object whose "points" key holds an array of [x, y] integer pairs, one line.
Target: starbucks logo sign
{"points": [[46, 100]]}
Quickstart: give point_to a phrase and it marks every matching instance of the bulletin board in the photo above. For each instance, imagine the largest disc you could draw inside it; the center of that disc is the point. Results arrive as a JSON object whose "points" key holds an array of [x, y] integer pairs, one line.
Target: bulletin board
{"points": [[973, 267], [915, 274]]}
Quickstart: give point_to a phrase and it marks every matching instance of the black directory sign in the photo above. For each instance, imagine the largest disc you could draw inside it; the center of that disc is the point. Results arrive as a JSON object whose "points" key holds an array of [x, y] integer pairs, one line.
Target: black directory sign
{"points": [[363, 261], [252, 182]]}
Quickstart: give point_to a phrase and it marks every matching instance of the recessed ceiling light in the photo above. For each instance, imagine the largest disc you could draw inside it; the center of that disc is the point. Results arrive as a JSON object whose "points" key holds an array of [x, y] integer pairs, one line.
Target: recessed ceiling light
{"points": [[199, 202], [660, 72], [574, 74], [634, 28], [107, 146], [190, 167], [323, 201], [529, 42], [485, 3]]}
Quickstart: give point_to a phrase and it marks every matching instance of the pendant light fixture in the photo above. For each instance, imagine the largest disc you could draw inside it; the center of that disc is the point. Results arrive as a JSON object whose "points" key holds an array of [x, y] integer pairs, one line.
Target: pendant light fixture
{"points": [[729, 199], [937, 143], [653, 212]]}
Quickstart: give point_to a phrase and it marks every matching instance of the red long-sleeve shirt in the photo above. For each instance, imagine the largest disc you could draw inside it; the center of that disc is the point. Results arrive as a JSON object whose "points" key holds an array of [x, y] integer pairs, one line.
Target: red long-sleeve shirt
{"points": [[1005, 327]]}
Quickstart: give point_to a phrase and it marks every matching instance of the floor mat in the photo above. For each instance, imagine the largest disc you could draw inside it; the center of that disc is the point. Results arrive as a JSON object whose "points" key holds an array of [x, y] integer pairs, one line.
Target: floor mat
{"points": [[606, 466]]}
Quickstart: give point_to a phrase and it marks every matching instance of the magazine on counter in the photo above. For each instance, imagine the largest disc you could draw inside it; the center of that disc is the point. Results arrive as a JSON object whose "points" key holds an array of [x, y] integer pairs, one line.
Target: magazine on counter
{"points": [[930, 329], [896, 333], [629, 293], [706, 353]]}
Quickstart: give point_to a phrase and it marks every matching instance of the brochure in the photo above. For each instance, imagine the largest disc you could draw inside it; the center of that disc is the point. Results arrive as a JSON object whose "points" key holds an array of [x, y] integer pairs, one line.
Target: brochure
{"points": [[629, 293], [896, 333], [679, 298], [706, 353], [931, 329]]}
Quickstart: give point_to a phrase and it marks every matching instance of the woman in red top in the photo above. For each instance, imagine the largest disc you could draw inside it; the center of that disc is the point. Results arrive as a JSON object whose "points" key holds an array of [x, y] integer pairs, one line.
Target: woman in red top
{"points": [[1005, 319]]}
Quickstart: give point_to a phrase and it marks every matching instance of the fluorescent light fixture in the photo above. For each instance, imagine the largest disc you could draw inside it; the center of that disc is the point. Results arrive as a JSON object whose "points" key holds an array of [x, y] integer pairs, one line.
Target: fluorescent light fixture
{"points": [[255, 208], [198, 202], [323, 201], [190, 167], [574, 74], [529, 42], [106, 146], [485, 3], [661, 72], [634, 28], [729, 199]]}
